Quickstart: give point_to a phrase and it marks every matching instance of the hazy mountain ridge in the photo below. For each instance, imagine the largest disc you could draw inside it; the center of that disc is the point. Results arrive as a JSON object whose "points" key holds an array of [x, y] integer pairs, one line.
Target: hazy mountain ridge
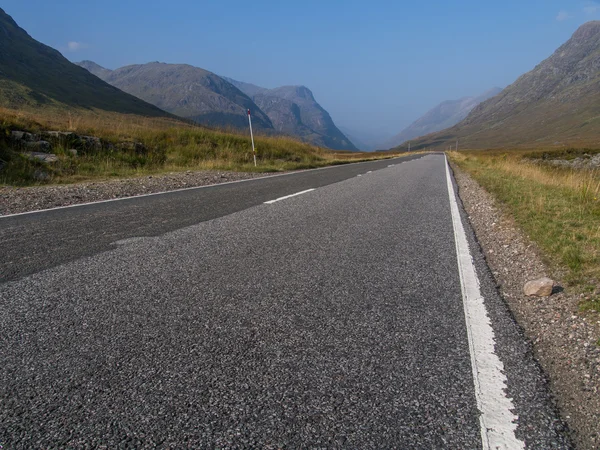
{"points": [[444, 115], [556, 103], [293, 110], [187, 91], [33, 74]]}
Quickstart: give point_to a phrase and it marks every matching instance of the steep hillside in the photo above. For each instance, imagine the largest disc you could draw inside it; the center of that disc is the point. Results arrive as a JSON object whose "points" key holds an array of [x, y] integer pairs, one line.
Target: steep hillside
{"points": [[443, 116], [557, 103], [187, 91], [247, 88], [33, 74], [293, 110]]}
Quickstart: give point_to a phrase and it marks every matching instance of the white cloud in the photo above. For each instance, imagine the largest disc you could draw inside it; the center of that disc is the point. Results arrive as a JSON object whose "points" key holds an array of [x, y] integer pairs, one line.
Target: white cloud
{"points": [[75, 46], [563, 15], [591, 8]]}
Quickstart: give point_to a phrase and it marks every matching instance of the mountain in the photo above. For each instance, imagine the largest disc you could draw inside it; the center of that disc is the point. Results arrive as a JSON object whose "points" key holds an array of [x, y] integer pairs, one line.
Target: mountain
{"points": [[443, 116], [33, 74], [186, 91], [558, 102], [96, 69], [293, 110], [247, 88]]}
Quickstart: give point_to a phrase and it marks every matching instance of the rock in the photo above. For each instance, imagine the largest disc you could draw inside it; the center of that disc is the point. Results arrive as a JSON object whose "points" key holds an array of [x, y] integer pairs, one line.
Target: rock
{"points": [[23, 136], [59, 134], [131, 146], [61, 138], [39, 146], [44, 157], [40, 175], [72, 152], [90, 143], [541, 287]]}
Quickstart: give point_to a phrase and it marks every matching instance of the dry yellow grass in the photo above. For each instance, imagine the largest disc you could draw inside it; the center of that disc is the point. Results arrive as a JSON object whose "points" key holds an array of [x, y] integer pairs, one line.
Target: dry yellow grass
{"points": [[173, 145], [582, 182], [558, 208]]}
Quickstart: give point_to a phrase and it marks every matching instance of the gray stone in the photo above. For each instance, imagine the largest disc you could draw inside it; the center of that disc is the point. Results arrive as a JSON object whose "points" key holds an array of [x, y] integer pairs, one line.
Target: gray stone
{"points": [[91, 142], [23, 136], [39, 146], [131, 146], [541, 287], [72, 152], [44, 157], [41, 175], [58, 134]]}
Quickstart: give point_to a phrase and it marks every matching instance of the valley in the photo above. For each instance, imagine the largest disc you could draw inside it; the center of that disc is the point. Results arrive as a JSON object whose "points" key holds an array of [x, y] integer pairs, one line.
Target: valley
{"points": [[354, 271]]}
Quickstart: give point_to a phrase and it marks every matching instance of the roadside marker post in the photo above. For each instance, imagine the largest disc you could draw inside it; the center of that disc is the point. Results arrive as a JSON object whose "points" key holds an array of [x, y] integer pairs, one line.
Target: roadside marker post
{"points": [[252, 137]]}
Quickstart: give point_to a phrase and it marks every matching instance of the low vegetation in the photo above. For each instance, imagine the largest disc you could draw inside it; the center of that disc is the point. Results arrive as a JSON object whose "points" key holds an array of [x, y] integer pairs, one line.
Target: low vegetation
{"points": [[558, 207], [169, 145]]}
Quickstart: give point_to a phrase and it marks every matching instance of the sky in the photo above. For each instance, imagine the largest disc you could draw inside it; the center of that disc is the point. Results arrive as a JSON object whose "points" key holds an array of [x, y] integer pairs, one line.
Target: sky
{"points": [[376, 66]]}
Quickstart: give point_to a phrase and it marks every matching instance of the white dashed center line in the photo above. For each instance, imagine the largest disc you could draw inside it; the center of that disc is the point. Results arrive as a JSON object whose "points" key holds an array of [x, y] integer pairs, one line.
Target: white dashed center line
{"points": [[287, 196]]}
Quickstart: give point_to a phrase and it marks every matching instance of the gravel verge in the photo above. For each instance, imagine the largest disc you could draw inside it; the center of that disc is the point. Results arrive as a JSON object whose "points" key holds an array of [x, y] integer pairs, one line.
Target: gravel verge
{"points": [[18, 200], [564, 340]]}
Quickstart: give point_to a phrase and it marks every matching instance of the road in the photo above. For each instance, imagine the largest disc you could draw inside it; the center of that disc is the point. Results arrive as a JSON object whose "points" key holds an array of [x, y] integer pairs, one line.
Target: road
{"points": [[337, 318]]}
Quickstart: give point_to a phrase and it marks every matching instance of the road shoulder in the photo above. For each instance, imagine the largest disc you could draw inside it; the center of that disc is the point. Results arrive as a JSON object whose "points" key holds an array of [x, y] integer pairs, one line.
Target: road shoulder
{"points": [[562, 341]]}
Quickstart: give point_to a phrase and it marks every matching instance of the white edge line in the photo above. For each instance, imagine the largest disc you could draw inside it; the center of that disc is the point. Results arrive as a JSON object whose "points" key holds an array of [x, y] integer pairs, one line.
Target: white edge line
{"points": [[270, 202], [188, 188], [497, 421]]}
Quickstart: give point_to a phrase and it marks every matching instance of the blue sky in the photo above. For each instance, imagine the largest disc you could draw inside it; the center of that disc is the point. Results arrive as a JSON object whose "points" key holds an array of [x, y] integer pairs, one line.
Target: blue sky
{"points": [[374, 65]]}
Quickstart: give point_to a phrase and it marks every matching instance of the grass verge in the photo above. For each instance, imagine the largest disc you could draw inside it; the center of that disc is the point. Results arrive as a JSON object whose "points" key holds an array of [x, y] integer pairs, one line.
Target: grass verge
{"points": [[558, 208], [169, 145]]}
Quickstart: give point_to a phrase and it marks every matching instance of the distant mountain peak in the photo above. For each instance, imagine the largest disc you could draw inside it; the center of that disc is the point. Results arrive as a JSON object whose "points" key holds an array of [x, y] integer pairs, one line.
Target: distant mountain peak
{"points": [[35, 74], [587, 30], [557, 101], [293, 110], [294, 92], [444, 115], [187, 91], [304, 92]]}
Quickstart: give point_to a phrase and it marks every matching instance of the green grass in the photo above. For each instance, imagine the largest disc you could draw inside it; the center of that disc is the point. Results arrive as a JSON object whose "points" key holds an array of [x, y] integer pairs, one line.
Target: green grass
{"points": [[171, 145], [558, 208]]}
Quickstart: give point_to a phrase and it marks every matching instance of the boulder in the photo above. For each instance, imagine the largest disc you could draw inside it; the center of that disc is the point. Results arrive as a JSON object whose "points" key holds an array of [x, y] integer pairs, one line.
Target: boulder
{"points": [[39, 146], [132, 146], [23, 136], [44, 157], [58, 134], [91, 143], [60, 138], [542, 287], [40, 175], [72, 152]]}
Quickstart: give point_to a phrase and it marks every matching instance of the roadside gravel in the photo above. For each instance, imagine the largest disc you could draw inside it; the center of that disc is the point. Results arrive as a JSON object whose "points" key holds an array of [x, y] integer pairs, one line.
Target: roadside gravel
{"points": [[564, 340], [17, 200]]}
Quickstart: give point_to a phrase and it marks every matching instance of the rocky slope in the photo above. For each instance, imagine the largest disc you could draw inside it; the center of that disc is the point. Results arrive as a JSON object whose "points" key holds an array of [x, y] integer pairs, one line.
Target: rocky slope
{"points": [[35, 75], [443, 116], [293, 110], [557, 103], [186, 91]]}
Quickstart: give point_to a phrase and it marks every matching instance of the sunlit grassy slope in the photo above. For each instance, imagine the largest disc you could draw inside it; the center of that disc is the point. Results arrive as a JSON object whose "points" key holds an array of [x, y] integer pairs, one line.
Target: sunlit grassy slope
{"points": [[558, 208], [171, 145]]}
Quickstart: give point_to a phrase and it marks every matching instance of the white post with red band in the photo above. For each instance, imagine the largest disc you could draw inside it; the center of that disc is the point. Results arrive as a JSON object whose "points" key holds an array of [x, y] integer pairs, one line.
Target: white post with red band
{"points": [[252, 137]]}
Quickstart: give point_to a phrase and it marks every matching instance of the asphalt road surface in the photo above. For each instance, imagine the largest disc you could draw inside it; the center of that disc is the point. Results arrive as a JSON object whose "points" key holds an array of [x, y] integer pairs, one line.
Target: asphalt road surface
{"points": [[209, 319]]}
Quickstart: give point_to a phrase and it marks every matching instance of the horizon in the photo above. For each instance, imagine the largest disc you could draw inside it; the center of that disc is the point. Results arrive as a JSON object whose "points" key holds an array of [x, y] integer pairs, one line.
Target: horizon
{"points": [[342, 54]]}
